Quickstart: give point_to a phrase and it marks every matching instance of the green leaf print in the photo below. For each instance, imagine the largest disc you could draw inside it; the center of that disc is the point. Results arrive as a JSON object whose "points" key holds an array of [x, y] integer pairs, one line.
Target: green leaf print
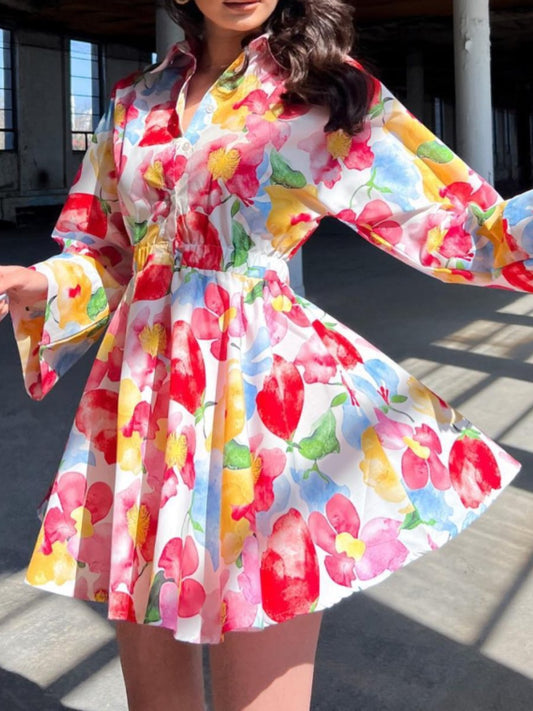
{"points": [[235, 208], [413, 520], [97, 303], [323, 441], [152, 609], [236, 456], [255, 293], [482, 215], [435, 151], [398, 398], [241, 242], [283, 174], [139, 230], [339, 400]]}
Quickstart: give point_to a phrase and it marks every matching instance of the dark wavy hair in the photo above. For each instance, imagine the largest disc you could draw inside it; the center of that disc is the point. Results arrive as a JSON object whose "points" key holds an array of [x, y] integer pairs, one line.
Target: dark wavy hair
{"points": [[310, 40]]}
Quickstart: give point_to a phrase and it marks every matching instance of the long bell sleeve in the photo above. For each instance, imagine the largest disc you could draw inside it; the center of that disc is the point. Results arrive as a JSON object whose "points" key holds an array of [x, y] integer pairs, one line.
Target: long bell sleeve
{"points": [[87, 279], [407, 193]]}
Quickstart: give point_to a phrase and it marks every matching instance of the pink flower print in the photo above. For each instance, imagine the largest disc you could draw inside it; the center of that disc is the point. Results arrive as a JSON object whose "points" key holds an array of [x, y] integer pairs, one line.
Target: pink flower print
{"points": [[355, 552], [179, 456], [280, 307], [134, 531], [250, 580], [221, 169], [179, 562], [421, 463], [375, 221], [329, 152], [218, 321], [80, 509], [318, 363], [239, 614], [267, 465], [148, 347]]}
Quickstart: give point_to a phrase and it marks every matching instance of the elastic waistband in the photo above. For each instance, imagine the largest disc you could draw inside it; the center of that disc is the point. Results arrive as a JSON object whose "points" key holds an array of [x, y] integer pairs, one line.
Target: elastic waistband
{"points": [[256, 267]]}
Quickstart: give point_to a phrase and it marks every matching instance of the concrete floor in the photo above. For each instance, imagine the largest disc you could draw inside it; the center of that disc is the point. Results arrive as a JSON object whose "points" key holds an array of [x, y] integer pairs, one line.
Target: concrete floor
{"points": [[452, 631]]}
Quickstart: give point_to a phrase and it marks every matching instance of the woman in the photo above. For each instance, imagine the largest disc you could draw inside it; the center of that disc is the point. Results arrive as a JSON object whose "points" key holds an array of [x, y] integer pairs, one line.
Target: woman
{"points": [[240, 459]]}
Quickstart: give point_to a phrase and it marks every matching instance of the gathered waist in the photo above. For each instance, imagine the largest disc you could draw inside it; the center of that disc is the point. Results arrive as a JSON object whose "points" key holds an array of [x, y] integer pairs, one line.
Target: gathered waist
{"points": [[256, 266]]}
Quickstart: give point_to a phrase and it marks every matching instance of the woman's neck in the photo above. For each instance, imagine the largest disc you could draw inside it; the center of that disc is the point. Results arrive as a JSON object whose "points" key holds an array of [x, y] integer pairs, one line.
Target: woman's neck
{"points": [[221, 47]]}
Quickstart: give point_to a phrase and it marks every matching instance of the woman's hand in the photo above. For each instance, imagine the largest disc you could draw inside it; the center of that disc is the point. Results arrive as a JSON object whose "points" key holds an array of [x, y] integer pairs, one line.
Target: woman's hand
{"points": [[21, 289]]}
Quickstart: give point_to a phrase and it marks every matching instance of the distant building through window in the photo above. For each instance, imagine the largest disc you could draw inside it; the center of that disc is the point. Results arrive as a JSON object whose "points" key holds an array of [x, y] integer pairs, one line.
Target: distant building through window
{"points": [[7, 121], [85, 92]]}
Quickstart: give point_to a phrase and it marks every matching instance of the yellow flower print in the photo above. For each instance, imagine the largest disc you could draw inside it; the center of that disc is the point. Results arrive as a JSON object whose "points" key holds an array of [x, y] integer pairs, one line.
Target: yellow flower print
{"points": [[230, 412], [378, 471], [58, 567], [353, 547], [138, 523], [153, 339], [226, 98], [428, 403], [237, 490], [223, 163], [292, 216], [338, 144], [74, 293], [176, 451], [83, 519], [129, 454], [154, 175]]}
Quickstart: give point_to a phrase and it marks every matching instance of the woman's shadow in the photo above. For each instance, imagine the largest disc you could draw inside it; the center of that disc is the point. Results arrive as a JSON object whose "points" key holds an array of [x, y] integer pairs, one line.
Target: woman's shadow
{"points": [[20, 694]]}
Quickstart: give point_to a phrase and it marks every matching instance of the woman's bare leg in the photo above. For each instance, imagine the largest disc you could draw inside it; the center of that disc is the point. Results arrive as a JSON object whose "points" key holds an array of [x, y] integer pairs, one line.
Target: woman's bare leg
{"points": [[160, 673], [271, 670]]}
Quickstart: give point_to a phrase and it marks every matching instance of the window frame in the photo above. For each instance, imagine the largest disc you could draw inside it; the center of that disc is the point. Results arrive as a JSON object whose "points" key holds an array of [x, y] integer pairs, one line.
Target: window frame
{"points": [[98, 55], [11, 90]]}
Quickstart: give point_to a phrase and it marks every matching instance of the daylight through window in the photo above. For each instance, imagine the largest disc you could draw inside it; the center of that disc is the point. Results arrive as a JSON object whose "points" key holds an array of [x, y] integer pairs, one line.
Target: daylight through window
{"points": [[7, 123], [85, 94]]}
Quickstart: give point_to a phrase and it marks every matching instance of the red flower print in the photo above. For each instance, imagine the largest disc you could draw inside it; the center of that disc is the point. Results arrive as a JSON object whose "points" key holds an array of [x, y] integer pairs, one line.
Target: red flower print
{"points": [[290, 579], [153, 282], [96, 418], [179, 562], [162, 125], [473, 469], [198, 241], [340, 347], [354, 552], [421, 463], [187, 368], [376, 216], [83, 213], [280, 402]]}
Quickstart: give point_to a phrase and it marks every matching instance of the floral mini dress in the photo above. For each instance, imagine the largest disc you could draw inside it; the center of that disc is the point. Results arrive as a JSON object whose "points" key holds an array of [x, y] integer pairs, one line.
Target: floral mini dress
{"points": [[239, 456]]}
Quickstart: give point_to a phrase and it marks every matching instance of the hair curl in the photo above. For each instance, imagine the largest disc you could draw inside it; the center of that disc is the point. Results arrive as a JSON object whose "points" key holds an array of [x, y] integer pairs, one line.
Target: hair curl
{"points": [[310, 40]]}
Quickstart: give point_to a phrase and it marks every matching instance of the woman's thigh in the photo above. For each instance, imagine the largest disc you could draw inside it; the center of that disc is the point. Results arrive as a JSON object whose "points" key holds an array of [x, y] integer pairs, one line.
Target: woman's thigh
{"points": [[160, 673], [271, 670]]}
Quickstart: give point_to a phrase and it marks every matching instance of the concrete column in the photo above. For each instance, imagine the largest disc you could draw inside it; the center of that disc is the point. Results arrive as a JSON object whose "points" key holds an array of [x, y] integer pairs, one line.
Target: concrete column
{"points": [[415, 83], [167, 32], [473, 93]]}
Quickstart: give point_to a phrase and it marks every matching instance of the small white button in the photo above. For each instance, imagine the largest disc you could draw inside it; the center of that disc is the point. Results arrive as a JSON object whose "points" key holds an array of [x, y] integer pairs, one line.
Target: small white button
{"points": [[186, 147], [209, 109]]}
